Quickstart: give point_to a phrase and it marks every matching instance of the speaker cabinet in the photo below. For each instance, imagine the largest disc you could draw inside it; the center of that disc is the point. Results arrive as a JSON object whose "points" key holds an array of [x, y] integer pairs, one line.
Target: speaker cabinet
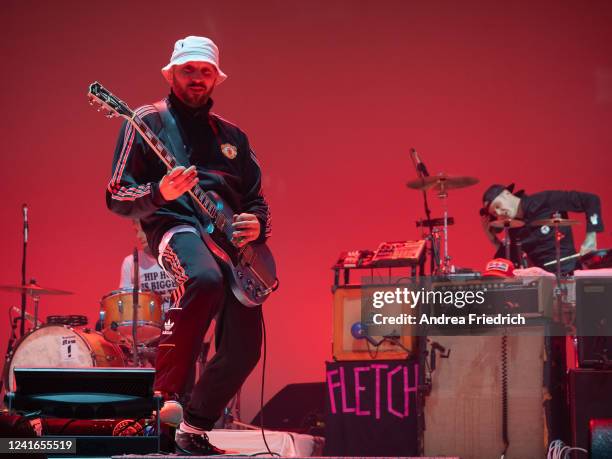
{"points": [[463, 414], [347, 312], [589, 397]]}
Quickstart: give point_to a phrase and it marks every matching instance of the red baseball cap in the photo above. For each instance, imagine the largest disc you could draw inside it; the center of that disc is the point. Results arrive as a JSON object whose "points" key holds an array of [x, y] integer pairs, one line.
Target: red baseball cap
{"points": [[499, 267]]}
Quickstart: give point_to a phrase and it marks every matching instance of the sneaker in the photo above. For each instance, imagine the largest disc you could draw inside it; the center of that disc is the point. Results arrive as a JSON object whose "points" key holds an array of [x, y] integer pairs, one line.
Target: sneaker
{"points": [[195, 444]]}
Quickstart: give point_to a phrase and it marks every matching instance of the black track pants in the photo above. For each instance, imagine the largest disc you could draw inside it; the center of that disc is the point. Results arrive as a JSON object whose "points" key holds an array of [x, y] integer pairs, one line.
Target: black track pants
{"points": [[201, 294]]}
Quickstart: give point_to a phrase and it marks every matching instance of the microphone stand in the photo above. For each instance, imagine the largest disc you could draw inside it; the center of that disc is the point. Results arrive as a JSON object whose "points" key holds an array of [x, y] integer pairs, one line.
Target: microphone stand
{"points": [[23, 270], [435, 256], [135, 306]]}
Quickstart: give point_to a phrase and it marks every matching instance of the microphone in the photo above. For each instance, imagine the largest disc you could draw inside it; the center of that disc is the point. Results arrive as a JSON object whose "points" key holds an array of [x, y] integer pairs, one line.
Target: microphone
{"points": [[25, 222], [418, 164], [359, 331]]}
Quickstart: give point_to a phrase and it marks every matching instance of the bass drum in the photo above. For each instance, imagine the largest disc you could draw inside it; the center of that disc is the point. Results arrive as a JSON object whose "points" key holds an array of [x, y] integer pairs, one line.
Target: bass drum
{"points": [[60, 346]]}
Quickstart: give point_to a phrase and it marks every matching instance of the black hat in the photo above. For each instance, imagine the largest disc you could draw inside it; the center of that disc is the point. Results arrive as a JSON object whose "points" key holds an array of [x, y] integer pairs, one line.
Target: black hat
{"points": [[492, 192]]}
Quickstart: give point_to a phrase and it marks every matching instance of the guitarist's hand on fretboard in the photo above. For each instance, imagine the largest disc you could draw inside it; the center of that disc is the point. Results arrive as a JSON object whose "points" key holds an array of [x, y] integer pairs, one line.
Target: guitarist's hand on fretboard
{"points": [[178, 181], [246, 229]]}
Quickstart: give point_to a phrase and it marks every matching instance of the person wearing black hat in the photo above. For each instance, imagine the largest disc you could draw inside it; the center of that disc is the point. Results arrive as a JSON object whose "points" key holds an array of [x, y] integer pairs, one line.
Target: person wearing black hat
{"points": [[538, 242]]}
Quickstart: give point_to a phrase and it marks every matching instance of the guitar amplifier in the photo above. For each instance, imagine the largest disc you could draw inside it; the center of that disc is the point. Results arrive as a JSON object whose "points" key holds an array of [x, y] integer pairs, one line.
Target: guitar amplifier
{"points": [[347, 313], [530, 297]]}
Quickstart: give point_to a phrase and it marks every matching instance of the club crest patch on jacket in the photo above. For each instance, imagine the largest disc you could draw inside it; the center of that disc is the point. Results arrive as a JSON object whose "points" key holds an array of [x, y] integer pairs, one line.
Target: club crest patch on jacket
{"points": [[229, 150]]}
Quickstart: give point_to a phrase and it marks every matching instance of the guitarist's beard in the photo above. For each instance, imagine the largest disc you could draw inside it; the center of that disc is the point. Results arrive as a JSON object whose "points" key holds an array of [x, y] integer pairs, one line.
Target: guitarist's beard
{"points": [[191, 97]]}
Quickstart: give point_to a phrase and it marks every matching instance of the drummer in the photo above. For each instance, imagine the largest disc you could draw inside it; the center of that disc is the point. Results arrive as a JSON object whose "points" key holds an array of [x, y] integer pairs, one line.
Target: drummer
{"points": [[152, 277], [538, 242]]}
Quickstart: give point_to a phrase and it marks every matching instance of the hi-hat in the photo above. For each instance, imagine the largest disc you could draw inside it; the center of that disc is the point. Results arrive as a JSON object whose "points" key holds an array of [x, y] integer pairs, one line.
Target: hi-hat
{"points": [[555, 222], [506, 222], [441, 182], [34, 290]]}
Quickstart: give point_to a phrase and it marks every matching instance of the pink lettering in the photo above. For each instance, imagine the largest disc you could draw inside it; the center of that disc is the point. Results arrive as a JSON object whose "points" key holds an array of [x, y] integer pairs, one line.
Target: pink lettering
{"points": [[377, 368], [390, 391], [359, 388], [345, 407], [330, 386], [408, 388]]}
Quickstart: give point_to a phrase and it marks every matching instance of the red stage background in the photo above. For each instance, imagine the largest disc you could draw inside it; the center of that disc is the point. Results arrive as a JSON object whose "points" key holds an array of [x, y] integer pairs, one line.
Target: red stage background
{"points": [[333, 94]]}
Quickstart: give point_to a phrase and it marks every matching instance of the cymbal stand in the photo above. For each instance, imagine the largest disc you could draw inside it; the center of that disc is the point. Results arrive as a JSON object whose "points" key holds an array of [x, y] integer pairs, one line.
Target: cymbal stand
{"points": [[23, 268], [433, 237], [443, 195], [507, 238], [560, 290], [135, 306], [36, 300]]}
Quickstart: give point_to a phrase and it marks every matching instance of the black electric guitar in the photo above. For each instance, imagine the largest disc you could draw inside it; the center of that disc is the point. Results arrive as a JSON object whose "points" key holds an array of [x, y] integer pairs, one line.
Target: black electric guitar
{"points": [[251, 268]]}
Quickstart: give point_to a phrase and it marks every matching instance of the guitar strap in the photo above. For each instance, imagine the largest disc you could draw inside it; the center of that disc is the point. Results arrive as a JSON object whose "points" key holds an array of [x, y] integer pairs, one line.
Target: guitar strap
{"points": [[172, 132]]}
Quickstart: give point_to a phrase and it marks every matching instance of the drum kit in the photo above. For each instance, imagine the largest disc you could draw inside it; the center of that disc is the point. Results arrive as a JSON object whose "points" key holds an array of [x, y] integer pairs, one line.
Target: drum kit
{"points": [[443, 182], [440, 183], [66, 342]]}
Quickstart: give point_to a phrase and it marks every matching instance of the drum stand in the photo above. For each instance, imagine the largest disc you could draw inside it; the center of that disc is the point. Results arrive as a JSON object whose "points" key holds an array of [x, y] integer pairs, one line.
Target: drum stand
{"points": [[36, 300], [560, 290], [433, 237], [445, 267], [507, 239]]}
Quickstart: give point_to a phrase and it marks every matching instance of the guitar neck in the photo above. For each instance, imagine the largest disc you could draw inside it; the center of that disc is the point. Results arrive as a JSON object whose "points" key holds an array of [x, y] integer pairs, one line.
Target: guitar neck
{"points": [[207, 205]]}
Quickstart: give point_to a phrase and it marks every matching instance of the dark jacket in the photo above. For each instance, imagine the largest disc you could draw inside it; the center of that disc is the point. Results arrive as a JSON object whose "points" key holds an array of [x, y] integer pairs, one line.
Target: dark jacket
{"points": [[538, 242], [133, 190]]}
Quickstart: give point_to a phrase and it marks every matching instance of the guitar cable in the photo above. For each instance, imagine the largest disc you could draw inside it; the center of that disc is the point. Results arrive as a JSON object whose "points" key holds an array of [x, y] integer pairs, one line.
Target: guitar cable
{"points": [[504, 394], [263, 381]]}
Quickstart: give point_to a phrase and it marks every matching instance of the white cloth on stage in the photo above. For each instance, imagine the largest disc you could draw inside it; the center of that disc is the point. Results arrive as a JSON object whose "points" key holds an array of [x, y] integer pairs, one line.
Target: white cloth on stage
{"points": [[287, 444]]}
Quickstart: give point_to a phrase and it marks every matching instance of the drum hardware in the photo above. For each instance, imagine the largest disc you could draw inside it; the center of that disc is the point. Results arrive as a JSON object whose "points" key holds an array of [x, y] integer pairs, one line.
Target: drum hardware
{"points": [[23, 272], [434, 222], [33, 289], [61, 346], [440, 183], [70, 320], [135, 302], [117, 317], [555, 221], [506, 224]]}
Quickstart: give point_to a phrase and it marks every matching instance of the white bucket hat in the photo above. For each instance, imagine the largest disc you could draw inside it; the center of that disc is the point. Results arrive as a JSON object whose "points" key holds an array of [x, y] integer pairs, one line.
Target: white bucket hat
{"points": [[194, 49]]}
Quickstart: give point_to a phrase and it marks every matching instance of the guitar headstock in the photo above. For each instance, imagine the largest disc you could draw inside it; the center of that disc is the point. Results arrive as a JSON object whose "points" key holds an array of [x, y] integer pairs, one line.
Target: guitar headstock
{"points": [[107, 102]]}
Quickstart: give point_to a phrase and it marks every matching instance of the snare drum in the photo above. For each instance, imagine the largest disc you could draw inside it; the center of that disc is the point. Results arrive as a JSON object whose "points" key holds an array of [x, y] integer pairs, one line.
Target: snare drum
{"points": [[116, 315], [60, 346]]}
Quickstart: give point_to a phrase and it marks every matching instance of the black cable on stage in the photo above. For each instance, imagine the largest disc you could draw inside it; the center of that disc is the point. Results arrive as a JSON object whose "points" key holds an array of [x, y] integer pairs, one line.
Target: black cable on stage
{"points": [[504, 374], [263, 380]]}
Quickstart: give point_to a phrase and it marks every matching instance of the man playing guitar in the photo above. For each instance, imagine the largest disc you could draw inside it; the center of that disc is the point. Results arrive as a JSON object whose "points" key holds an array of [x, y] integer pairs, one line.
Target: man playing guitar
{"points": [[220, 160]]}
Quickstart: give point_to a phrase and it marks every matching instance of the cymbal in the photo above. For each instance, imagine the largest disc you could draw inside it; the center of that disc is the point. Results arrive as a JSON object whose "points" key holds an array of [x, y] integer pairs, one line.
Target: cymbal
{"points": [[441, 182], [34, 290], [555, 222], [511, 223]]}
